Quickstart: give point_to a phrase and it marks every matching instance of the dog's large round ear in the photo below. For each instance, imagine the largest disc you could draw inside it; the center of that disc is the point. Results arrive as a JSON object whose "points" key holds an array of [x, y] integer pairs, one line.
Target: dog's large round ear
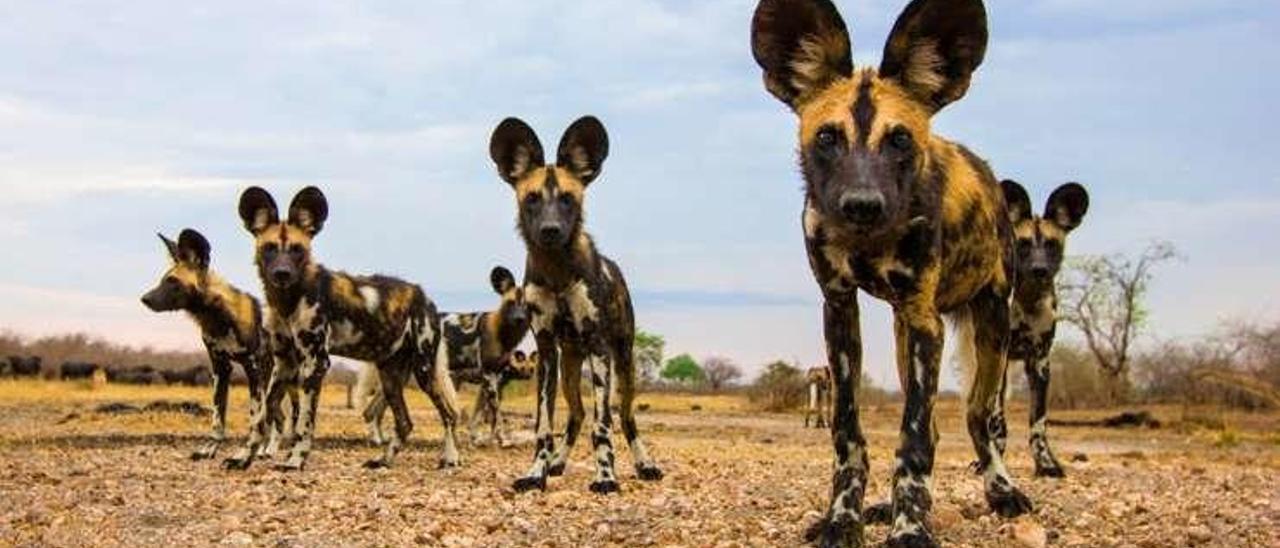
{"points": [[501, 279], [1016, 201], [802, 46], [193, 248], [308, 210], [1067, 205], [170, 246], [934, 48], [583, 148], [258, 209], [515, 149]]}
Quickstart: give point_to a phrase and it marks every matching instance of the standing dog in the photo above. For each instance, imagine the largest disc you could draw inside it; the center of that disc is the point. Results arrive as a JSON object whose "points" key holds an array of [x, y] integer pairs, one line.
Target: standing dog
{"points": [[819, 380], [906, 216], [579, 301], [314, 311], [1039, 246], [230, 323], [476, 348]]}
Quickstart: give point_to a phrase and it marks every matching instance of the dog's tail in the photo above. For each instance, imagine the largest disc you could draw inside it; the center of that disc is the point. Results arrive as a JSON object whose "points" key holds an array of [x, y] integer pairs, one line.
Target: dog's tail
{"points": [[966, 354]]}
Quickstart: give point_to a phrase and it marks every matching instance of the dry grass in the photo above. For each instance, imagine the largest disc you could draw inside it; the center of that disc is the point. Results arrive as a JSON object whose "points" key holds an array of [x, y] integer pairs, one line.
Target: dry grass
{"points": [[735, 478]]}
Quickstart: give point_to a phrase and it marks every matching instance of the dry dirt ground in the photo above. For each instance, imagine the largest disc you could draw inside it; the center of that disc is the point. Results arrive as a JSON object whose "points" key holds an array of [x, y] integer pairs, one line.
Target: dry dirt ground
{"points": [[72, 477]]}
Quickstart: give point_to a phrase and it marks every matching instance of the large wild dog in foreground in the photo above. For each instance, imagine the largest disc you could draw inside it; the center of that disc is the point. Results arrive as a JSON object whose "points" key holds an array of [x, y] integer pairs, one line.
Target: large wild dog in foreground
{"points": [[476, 347], [230, 323], [1039, 244], [314, 312], [578, 299], [906, 216]]}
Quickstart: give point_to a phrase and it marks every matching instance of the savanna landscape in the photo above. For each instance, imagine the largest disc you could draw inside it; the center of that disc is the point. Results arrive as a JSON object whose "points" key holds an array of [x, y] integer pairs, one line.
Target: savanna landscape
{"points": [[80, 468]]}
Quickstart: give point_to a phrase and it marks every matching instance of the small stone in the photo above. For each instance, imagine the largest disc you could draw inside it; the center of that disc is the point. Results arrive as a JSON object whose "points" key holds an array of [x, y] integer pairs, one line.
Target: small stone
{"points": [[1029, 534], [238, 538], [1199, 534], [946, 517]]}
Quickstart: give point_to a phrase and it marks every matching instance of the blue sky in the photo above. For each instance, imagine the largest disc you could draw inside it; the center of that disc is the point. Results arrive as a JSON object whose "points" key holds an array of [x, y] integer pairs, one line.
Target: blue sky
{"points": [[120, 119]]}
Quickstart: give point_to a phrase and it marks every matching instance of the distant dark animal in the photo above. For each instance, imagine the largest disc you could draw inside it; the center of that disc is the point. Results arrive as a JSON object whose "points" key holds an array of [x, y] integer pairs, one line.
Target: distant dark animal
{"points": [[581, 308], [77, 370], [187, 376], [142, 374], [25, 366], [819, 379], [230, 322]]}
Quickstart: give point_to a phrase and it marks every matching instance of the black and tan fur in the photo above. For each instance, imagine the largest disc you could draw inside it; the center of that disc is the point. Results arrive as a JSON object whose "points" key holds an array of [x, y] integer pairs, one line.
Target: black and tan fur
{"points": [[1039, 247], [314, 312], [230, 322], [488, 406], [578, 298], [476, 348], [906, 216], [819, 382]]}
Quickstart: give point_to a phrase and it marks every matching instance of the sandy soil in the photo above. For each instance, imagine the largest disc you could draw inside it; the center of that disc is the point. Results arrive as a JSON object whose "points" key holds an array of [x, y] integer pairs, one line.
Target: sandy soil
{"points": [[72, 477]]}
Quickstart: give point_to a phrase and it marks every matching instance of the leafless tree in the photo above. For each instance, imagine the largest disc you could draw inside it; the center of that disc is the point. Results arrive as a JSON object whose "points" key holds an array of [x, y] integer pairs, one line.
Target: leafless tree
{"points": [[720, 371], [1103, 297]]}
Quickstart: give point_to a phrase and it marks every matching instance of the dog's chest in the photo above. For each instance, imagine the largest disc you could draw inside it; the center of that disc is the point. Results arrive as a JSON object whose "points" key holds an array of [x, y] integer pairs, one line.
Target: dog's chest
{"points": [[571, 311], [1032, 324]]}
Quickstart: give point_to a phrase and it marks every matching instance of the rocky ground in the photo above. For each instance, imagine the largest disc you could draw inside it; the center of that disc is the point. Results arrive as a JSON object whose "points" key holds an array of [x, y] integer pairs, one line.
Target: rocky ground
{"points": [[72, 477]]}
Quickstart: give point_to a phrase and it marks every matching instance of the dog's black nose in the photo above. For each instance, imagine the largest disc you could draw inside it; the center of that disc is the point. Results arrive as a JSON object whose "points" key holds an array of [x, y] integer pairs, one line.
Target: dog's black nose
{"points": [[146, 301], [281, 276], [862, 208], [549, 233], [1040, 272]]}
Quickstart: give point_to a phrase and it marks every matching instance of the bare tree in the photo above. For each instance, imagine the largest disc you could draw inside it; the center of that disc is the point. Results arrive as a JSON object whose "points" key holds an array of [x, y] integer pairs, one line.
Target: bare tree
{"points": [[1102, 297], [720, 371]]}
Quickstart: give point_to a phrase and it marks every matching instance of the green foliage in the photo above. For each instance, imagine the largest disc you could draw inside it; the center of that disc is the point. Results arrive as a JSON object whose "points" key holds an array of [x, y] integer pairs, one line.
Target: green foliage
{"points": [[683, 369]]}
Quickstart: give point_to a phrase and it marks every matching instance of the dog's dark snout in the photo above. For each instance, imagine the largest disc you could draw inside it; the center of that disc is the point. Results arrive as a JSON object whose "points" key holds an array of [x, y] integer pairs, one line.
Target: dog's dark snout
{"points": [[1040, 271], [862, 207], [549, 233], [146, 301], [281, 275]]}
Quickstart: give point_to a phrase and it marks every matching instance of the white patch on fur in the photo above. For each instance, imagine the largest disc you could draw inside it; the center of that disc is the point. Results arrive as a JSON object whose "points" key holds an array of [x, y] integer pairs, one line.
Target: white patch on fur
{"points": [[304, 315], [344, 333], [545, 303], [371, 298], [581, 307]]}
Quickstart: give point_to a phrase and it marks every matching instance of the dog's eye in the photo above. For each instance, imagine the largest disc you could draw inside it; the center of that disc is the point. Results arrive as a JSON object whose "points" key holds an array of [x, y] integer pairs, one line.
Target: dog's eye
{"points": [[271, 248], [1052, 246], [296, 249], [565, 199], [1024, 246], [170, 280], [827, 138], [901, 139], [532, 199]]}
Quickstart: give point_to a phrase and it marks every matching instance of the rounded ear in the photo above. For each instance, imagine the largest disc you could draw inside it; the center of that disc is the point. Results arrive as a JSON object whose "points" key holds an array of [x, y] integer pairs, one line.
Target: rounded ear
{"points": [[934, 48], [802, 46], [308, 210], [170, 246], [1067, 205], [501, 279], [1016, 201], [583, 148], [258, 209], [193, 248], [515, 148]]}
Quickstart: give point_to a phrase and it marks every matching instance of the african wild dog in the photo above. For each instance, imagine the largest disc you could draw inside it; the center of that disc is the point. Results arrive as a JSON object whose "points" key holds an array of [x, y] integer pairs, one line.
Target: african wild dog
{"points": [[1039, 245], [819, 381], [905, 216], [475, 348], [579, 301], [230, 324], [488, 406], [313, 311]]}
